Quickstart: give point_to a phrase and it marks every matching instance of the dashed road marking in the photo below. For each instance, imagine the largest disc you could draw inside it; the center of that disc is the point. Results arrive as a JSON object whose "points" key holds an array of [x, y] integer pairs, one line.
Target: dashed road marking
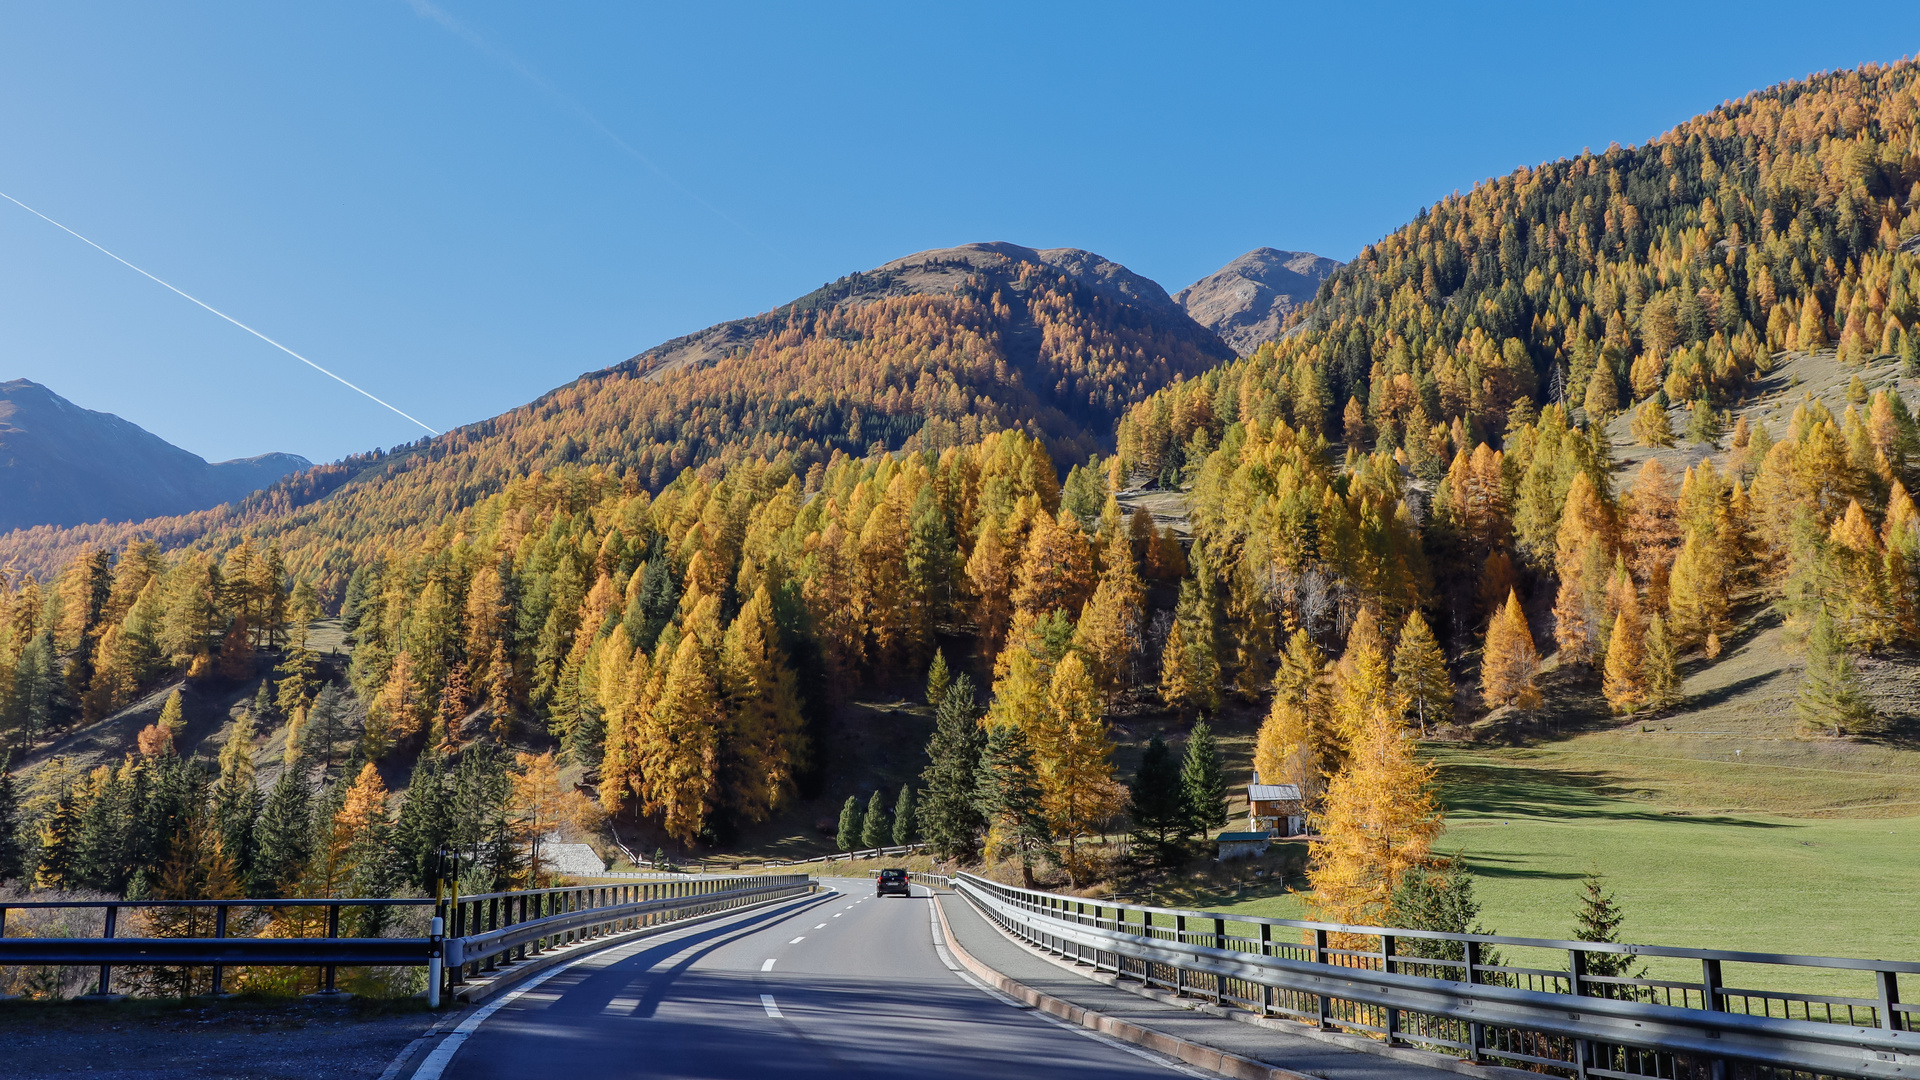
{"points": [[798, 940], [768, 966], [766, 1002], [837, 914], [822, 926]]}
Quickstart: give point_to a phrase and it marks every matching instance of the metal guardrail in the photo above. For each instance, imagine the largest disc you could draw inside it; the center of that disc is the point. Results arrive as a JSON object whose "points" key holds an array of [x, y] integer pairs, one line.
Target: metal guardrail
{"points": [[1374, 980], [471, 934], [864, 853]]}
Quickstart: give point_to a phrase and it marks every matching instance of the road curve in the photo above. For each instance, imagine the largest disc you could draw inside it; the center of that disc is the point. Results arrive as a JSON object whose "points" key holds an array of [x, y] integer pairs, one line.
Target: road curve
{"points": [[840, 985]]}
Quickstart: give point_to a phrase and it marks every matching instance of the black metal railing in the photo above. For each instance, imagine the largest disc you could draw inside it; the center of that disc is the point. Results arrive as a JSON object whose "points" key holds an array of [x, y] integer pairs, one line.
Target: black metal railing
{"points": [[1489, 998]]}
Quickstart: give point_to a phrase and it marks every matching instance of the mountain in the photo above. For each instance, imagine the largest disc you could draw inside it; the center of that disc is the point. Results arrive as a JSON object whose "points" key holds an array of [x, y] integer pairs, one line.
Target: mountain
{"points": [[929, 351], [941, 271], [63, 465], [1247, 300]]}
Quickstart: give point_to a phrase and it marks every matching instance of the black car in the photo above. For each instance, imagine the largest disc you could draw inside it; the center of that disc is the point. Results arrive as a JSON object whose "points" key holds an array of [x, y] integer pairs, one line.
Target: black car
{"points": [[892, 881]]}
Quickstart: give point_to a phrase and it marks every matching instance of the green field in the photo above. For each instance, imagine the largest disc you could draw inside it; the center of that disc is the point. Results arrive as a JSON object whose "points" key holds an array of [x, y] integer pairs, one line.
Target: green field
{"points": [[1532, 821]]}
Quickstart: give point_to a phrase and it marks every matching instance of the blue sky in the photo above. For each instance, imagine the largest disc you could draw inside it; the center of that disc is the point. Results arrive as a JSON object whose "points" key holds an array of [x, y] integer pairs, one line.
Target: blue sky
{"points": [[461, 206]]}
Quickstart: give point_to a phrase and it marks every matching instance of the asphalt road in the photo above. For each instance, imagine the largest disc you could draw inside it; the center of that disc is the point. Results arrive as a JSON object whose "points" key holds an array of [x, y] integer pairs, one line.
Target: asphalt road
{"points": [[843, 985]]}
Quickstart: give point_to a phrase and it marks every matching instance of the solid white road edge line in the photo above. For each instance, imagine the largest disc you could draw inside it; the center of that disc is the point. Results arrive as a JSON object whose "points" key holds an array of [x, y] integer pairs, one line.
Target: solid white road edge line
{"points": [[435, 1066], [768, 966], [940, 948], [766, 1002]]}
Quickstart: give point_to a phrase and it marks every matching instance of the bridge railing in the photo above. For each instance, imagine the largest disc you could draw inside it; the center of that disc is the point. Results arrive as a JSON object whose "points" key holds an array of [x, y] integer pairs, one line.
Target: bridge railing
{"points": [[1488, 998], [469, 935]]}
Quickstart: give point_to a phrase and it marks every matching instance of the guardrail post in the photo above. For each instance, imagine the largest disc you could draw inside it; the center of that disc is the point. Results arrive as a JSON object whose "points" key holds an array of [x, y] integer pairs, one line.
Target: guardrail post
{"points": [[106, 970], [1576, 984], [457, 974], [1219, 942], [1266, 949], [219, 931], [1320, 957], [333, 931], [1392, 1023], [1889, 988], [1476, 1031], [1710, 985], [1179, 973]]}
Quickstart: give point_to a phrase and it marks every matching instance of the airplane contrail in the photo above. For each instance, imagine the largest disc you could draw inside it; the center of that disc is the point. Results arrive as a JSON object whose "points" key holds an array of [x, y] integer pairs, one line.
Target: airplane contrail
{"points": [[428, 10], [210, 307]]}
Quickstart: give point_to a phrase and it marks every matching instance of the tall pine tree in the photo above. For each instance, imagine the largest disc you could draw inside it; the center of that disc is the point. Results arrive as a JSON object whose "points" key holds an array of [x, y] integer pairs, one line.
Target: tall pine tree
{"points": [[949, 809]]}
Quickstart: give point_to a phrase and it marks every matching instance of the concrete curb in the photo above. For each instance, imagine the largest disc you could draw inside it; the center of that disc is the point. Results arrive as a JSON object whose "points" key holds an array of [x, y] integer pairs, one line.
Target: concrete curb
{"points": [[1192, 1053], [480, 990], [1408, 1054]]}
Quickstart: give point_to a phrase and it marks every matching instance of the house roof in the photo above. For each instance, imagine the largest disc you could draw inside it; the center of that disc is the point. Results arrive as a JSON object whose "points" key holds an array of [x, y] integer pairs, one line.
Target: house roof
{"points": [[1273, 792], [1243, 837]]}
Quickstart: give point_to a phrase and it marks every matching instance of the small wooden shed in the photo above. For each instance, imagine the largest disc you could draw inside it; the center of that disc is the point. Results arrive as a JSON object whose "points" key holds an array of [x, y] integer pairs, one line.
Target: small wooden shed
{"points": [[1275, 808]]}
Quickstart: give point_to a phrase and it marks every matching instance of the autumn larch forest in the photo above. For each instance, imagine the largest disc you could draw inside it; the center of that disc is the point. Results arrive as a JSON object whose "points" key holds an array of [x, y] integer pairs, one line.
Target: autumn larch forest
{"points": [[668, 578]]}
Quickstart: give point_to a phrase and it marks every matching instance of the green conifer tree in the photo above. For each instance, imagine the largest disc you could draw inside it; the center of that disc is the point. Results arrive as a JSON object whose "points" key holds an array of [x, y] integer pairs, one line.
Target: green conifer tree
{"points": [[1205, 784], [284, 838], [938, 679], [1598, 918], [1830, 701], [848, 838], [876, 828], [1157, 802], [906, 827], [951, 818], [13, 848], [1010, 797], [1438, 896]]}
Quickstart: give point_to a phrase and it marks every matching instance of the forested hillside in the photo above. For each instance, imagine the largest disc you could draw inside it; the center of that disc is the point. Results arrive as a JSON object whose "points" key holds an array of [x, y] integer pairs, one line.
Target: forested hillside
{"points": [[1395, 512], [929, 352]]}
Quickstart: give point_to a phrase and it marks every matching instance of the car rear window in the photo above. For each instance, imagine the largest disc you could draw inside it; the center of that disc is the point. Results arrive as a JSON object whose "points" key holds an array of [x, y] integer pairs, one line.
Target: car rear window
{"points": [[893, 875]]}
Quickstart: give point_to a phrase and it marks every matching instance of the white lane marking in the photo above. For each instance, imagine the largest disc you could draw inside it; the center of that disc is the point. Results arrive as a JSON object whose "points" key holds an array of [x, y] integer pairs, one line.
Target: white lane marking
{"points": [[940, 949], [798, 940], [837, 914], [768, 966], [822, 926], [766, 1002], [435, 1066]]}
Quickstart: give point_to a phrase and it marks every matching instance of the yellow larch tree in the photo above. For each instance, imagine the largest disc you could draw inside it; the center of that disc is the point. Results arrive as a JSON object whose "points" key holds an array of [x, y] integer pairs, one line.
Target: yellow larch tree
{"points": [[1293, 744], [1056, 571], [1420, 678], [1509, 664], [1378, 819], [764, 738], [1108, 633], [1074, 761], [678, 744], [1625, 683]]}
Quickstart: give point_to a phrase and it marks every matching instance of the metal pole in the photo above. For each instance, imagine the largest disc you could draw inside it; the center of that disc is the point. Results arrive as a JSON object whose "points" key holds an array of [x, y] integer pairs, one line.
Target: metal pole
{"points": [[333, 931], [435, 961], [106, 970], [1476, 1031], [1320, 957], [219, 931]]}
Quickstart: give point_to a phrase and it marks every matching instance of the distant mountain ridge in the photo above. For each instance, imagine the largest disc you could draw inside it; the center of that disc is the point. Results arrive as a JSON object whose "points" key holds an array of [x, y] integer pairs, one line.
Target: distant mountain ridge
{"points": [[61, 464], [1248, 300], [939, 271], [933, 350]]}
